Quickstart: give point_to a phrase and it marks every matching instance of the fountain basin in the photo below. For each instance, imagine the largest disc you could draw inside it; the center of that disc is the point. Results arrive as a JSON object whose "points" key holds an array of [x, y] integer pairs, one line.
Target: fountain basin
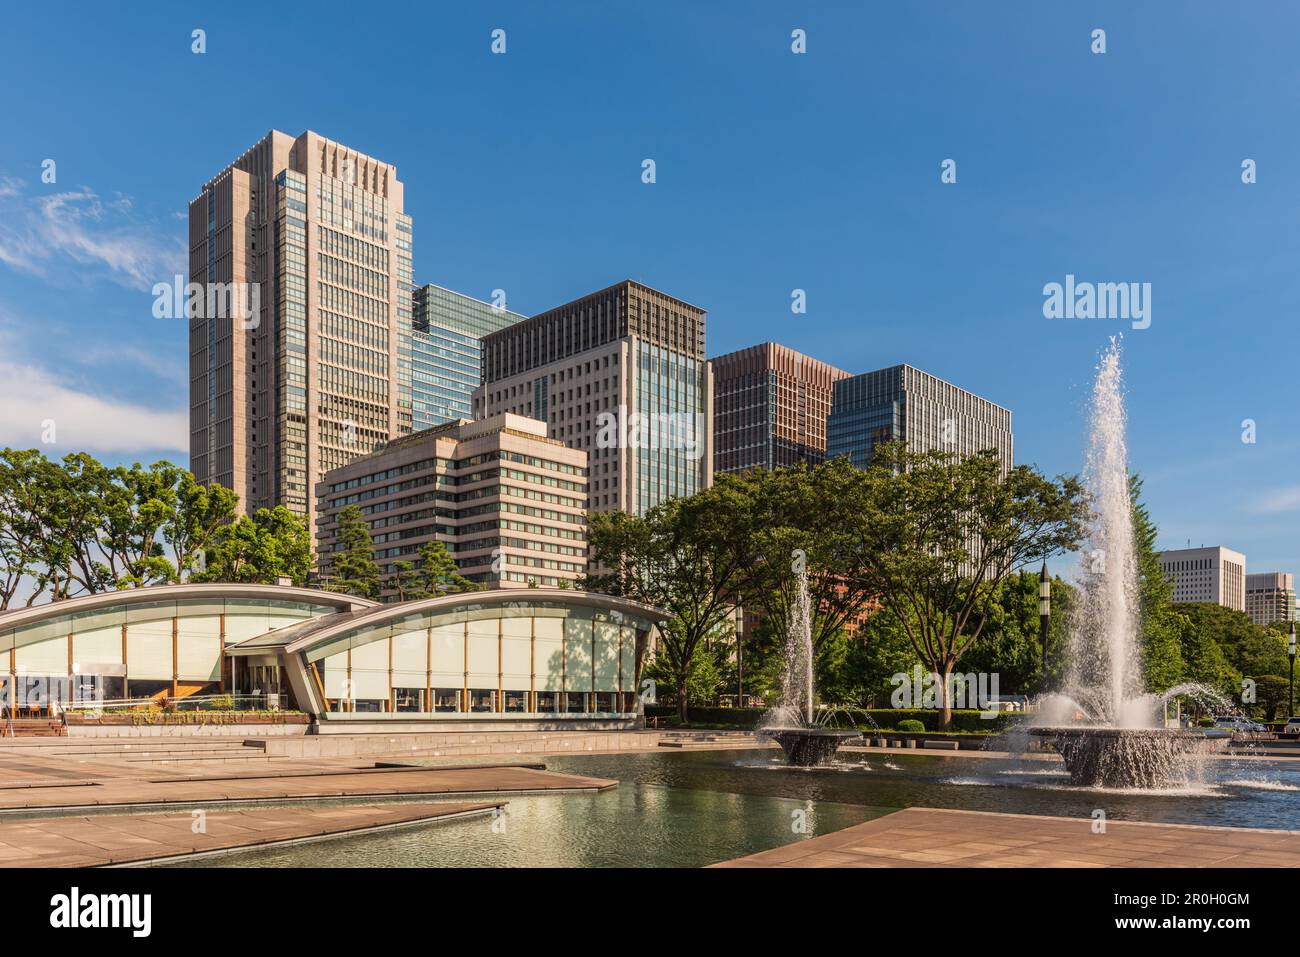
{"points": [[808, 747], [1147, 758]]}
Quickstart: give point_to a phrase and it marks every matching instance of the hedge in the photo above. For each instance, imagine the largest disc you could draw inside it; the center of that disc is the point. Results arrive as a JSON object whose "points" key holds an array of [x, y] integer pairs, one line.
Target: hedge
{"points": [[886, 719]]}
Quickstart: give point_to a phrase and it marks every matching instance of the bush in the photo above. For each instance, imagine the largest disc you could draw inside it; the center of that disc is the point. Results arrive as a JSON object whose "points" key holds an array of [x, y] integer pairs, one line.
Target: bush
{"points": [[970, 721], [911, 724], [885, 719], [743, 718]]}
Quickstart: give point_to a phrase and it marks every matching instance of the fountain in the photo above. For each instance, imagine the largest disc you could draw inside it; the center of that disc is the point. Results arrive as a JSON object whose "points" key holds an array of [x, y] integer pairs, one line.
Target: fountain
{"points": [[1106, 727], [791, 724]]}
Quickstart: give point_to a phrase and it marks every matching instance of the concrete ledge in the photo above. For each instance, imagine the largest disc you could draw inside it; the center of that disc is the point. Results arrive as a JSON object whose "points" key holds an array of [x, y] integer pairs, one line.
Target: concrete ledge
{"points": [[940, 745]]}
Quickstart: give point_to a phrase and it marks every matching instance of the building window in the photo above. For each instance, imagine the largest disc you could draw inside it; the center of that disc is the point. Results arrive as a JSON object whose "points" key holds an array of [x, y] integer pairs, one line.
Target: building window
{"points": [[446, 699], [408, 699], [482, 699]]}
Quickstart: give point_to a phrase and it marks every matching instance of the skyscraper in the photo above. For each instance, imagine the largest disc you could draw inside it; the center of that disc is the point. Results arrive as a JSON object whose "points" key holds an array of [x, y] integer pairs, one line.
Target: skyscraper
{"points": [[770, 406], [316, 231], [620, 373], [1216, 575], [924, 411], [446, 354], [1270, 597]]}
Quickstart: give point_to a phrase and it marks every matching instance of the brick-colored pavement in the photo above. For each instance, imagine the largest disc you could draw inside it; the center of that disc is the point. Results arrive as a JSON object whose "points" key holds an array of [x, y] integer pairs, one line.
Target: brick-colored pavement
{"points": [[104, 774], [930, 837], [105, 839]]}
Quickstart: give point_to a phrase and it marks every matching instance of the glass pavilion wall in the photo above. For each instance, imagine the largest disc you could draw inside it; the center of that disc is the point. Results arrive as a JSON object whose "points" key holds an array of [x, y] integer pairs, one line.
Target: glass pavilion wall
{"points": [[522, 658], [136, 649]]}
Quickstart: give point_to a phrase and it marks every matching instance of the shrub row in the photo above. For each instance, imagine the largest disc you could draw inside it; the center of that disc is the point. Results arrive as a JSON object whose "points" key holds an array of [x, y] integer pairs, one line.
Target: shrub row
{"points": [[887, 719]]}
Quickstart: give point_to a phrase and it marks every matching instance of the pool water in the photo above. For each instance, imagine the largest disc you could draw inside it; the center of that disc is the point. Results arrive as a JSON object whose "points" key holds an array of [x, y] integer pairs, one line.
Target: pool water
{"points": [[689, 809]]}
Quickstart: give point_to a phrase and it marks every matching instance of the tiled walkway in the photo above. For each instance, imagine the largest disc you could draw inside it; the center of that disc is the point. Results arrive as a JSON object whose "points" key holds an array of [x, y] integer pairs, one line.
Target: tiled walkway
{"points": [[103, 777], [929, 837], [121, 839]]}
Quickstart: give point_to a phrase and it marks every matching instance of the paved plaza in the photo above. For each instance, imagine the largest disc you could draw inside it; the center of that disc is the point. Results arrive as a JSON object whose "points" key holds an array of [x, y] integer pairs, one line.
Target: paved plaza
{"points": [[931, 837]]}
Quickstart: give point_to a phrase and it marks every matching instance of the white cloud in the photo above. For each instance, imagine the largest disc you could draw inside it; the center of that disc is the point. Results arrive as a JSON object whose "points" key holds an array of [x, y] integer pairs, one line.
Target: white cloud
{"points": [[167, 366], [30, 398], [46, 233], [1285, 499]]}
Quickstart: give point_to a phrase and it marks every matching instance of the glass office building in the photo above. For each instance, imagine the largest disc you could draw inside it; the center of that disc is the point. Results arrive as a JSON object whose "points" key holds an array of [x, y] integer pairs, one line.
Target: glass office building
{"points": [[621, 374], [446, 354], [770, 406], [924, 411]]}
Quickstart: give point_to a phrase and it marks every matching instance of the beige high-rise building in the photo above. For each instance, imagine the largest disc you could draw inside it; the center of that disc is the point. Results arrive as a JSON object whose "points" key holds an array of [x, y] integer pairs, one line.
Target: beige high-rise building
{"points": [[1216, 575], [509, 503], [1270, 597], [310, 238]]}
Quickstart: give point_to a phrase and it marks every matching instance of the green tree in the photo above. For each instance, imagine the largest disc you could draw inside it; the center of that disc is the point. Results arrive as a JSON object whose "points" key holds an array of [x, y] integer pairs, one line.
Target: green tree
{"points": [[406, 581], [352, 566], [201, 512], [19, 534], [1250, 648], [1011, 645], [437, 574], [271, 545], [1162, 658], [686, 556], [809, 512], [441, 574], [137, 508], [1271, 692], [938, 535]]}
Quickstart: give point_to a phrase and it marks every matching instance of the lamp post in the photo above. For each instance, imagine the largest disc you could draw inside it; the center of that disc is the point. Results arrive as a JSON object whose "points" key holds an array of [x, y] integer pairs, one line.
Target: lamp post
{"points": [[1044, 611], [1290, 651]]}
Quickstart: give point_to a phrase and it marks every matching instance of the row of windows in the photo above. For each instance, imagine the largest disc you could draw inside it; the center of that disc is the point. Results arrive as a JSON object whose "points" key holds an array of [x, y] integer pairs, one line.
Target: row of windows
{"points": [[360, 251], [354, 304], [343, 273]]}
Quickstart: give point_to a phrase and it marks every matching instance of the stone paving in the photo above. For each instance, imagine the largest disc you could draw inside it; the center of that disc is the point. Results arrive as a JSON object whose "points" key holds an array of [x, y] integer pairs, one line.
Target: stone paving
{"points": [[113, 775], [931, 837], [105, 839]]}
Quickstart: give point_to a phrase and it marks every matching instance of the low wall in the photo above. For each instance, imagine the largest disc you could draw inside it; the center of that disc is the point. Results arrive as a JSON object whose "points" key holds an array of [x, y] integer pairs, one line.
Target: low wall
{"points": [[460, 743], [457, 722]]}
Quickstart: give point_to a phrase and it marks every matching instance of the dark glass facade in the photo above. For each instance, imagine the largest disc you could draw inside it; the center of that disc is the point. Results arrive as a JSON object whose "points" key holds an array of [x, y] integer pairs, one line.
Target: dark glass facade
{"points": [[924, 411], [446, 353]]}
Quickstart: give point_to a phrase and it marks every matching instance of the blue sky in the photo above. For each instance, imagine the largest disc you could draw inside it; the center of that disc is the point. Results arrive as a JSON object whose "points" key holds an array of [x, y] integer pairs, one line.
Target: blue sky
{"points": [[775, 171]]}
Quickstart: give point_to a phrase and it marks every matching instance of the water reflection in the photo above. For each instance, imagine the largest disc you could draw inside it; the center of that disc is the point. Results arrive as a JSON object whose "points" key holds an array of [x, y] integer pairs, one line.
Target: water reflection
{"points": [[689, 809]]}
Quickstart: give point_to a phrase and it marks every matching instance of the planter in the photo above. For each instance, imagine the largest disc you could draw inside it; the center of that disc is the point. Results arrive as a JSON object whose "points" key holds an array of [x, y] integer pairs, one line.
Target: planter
{"points": [[181, 719]]}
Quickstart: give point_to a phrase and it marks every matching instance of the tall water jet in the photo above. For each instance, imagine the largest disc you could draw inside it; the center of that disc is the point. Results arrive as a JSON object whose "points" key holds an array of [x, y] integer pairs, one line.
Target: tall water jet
{"points": [[1117, 738], [797, 678], [1104, 655], [791, 724]]}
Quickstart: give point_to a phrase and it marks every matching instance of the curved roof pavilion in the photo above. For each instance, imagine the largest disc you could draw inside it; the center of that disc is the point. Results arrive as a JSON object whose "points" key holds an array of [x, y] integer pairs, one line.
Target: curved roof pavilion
{"points": [[549, 656]]}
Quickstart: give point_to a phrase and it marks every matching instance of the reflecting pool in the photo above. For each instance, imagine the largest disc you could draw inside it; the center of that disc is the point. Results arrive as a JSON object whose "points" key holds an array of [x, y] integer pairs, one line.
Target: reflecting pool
{"points": [[689, 809]]}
